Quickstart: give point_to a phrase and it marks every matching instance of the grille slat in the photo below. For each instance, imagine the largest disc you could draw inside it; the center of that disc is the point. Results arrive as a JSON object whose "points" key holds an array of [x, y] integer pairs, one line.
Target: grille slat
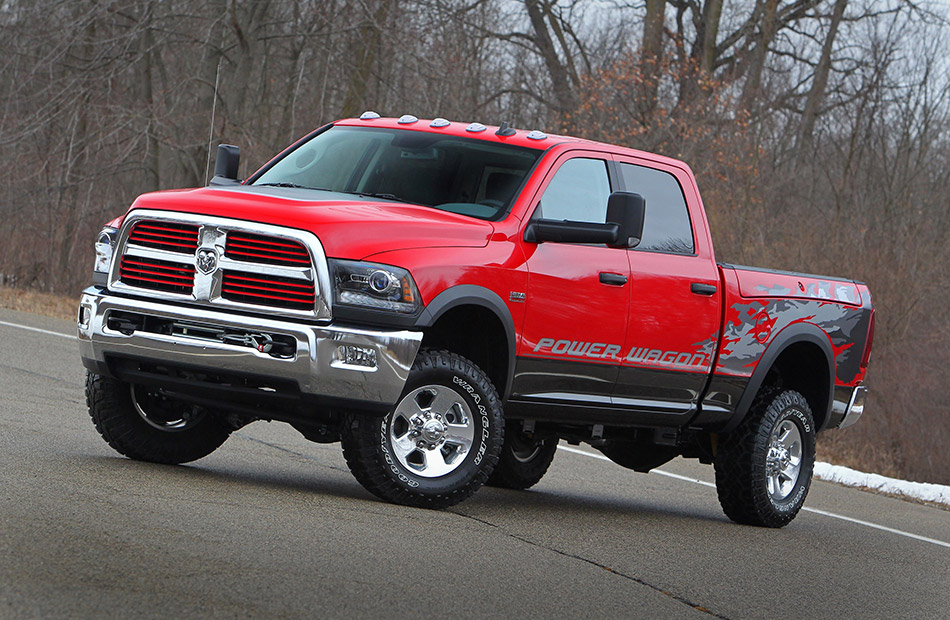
{"points": [[268, 290], [157, 274], [303, 284], [266, 250], [169, 236]]}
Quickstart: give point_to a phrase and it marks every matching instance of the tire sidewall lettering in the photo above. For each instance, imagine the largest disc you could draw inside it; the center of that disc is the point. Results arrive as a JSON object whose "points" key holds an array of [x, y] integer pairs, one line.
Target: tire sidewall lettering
{"points": [[482, 412], [388, 457]]}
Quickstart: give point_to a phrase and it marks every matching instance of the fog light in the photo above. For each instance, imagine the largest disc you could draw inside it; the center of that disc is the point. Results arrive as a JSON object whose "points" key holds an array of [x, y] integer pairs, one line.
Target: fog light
{"points": [[85, 313], [364, 358]]}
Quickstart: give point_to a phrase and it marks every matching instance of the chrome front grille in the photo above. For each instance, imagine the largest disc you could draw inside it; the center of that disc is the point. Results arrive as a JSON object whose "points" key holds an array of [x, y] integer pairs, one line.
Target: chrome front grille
{"points": [[222, 263]]}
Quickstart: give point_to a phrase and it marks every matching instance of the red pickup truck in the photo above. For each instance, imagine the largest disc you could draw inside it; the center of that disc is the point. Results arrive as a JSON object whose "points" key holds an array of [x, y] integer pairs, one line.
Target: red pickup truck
{"points": [[449, 301]]}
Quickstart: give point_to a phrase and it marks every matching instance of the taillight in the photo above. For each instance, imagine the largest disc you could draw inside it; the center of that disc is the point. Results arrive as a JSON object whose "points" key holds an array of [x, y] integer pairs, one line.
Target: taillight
{"points": [[868, 342]]}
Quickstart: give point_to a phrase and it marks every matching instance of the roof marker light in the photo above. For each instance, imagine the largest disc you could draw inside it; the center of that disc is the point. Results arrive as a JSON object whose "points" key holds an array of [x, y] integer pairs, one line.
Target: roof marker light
{"points": [[369, 115], [537, 135], [407, 119], [476, 127], [439, 122]]}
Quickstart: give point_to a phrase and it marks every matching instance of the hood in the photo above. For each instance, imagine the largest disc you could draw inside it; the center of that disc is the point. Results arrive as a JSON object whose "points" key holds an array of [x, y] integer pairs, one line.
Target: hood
{"points": [[348, 226]]}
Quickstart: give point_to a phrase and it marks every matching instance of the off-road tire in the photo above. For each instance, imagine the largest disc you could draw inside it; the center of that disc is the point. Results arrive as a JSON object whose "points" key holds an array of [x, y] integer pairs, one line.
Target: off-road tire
{"points": [[742, 455], [117, 420], [523, 461], [368, 447]]}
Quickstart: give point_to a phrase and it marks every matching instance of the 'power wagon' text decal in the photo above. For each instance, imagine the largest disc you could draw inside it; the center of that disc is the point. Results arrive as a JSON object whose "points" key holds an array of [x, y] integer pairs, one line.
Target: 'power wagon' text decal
{"points": [[605, 351]]}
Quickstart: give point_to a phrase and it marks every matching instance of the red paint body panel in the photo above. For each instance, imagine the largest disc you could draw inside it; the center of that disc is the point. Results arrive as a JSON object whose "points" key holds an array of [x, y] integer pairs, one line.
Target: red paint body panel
{"points": [[755, 283]]}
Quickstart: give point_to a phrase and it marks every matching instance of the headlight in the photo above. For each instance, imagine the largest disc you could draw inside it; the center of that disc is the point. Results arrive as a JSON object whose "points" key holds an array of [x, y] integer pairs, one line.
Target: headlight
{"points": [[370, 285], [105, 247]]}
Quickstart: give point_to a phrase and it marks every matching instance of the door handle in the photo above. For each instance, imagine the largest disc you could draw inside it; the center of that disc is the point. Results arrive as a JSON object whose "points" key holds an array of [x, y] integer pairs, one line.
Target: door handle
{"points": [[702, 289], [615, 279]]}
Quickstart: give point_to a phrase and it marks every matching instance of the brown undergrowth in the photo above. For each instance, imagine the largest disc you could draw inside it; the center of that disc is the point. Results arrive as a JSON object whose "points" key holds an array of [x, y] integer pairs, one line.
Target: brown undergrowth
{"points": [[46, 304]]}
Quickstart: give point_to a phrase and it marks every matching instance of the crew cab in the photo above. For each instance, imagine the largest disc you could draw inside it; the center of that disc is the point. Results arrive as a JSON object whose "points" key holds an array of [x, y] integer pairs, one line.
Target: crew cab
{"points": [[451, 300]]}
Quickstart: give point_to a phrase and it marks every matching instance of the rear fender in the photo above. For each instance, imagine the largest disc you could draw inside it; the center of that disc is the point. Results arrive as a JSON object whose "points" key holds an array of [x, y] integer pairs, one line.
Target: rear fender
{"points": [[793, 334]]}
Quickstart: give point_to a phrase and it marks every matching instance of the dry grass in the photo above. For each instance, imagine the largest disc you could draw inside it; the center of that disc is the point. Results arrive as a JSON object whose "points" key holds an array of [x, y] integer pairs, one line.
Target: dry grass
{"points": [[47, 304]]}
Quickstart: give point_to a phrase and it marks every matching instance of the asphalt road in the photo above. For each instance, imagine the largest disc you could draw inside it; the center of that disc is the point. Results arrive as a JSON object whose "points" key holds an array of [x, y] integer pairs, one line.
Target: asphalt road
{"points": [[272, 526]]}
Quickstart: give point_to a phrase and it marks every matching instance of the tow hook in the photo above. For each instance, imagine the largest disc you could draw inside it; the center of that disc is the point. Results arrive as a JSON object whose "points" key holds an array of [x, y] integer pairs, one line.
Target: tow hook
{"points": [[264, 343]]}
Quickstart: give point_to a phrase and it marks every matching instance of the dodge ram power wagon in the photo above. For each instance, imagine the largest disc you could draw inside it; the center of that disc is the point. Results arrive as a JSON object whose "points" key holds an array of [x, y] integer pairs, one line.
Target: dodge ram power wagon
{"points": [[449, 301]]}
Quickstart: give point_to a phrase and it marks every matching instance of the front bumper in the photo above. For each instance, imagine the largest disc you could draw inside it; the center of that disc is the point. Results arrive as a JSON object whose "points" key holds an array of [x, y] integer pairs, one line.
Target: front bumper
{"points": [[362, 366]]}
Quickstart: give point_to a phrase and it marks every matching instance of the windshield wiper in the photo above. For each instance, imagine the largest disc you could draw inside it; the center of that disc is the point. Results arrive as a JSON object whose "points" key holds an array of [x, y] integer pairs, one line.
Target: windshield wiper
{"points": [[384, 196], [294, 185]]}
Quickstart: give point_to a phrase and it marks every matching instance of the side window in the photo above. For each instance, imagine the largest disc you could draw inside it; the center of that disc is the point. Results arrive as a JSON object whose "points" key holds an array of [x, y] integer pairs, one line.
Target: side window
{"points": [[578, 192], [666, 227]]}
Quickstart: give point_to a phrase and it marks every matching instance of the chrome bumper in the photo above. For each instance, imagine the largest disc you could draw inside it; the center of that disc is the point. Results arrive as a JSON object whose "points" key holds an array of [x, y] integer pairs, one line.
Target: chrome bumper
{"points": [[849, 406], [319, 364]]}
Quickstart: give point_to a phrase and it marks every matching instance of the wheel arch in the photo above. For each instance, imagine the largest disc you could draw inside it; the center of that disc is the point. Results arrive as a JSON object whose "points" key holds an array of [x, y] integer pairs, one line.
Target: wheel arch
{"points": [[799, 358], [490, 340]]}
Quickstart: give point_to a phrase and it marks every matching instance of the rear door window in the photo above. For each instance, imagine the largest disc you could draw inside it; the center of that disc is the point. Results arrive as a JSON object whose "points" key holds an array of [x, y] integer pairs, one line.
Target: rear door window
{"points": [[666, 227]]}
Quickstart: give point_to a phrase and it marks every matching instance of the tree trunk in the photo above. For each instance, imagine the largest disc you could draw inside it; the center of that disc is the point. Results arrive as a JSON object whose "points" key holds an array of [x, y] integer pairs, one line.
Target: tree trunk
{"points": [[758, 55], [651, 55], [565, 99], [820, 81]]}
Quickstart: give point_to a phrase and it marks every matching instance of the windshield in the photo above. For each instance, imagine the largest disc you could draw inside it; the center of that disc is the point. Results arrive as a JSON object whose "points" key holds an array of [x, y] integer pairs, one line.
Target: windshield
{"points": [[461, 175]]}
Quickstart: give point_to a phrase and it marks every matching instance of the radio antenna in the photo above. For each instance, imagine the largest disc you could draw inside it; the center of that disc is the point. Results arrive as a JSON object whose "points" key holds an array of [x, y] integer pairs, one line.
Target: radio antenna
{"points": [[214, 104]]}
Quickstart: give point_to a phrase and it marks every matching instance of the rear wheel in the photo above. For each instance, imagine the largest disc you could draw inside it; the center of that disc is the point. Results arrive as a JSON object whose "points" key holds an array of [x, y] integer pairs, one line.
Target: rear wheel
{"points": [[524, 460], [764, 467], [144, 424], [440, 442]]}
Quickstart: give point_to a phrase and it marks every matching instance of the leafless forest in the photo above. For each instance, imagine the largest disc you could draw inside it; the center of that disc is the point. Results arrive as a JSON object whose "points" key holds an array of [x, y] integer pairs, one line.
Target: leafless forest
{"points": [[818, 130]]}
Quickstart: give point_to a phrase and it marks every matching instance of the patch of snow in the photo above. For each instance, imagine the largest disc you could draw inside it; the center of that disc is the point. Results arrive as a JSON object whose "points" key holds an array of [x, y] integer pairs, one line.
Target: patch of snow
{"points": [[937, 493]]}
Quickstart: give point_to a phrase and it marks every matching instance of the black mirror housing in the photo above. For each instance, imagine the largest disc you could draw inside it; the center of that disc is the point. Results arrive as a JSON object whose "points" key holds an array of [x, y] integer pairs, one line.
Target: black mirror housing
{"points": [[627, 210], [565, 231], [226, 165]]}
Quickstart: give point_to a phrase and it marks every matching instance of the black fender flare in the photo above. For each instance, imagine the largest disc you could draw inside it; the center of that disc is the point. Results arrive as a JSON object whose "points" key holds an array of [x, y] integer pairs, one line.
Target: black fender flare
{"points": [[793, 334], [473, 295]]}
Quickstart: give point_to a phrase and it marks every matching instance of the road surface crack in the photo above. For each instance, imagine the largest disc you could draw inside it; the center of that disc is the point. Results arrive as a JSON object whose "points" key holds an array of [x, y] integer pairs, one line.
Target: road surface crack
{"points": [[288, 450], [572, 556]]}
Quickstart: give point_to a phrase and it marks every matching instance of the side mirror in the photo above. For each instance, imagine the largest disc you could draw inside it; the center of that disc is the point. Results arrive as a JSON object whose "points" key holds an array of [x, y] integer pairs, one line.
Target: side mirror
{"points": [[226, 165], [627, 210]]}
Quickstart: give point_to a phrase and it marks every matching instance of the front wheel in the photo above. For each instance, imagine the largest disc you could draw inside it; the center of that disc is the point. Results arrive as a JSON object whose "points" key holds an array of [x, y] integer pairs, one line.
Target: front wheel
{"points": [[764, 467], [440, 442]]}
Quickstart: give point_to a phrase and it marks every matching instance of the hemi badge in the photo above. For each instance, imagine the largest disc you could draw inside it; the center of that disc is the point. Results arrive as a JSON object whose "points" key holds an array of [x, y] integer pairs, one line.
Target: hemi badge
{"points": [[516, 296]]}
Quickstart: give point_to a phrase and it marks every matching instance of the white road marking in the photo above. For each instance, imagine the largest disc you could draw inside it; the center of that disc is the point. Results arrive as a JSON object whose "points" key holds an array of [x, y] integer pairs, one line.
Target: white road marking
{"points": [[36, 329], [806, 509]]}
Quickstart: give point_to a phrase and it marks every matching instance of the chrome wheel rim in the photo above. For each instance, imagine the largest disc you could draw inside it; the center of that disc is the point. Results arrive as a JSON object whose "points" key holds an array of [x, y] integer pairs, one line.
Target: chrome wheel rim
{"points": [[162, 413], [524, 450], [783, 462], [431, 431]]}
